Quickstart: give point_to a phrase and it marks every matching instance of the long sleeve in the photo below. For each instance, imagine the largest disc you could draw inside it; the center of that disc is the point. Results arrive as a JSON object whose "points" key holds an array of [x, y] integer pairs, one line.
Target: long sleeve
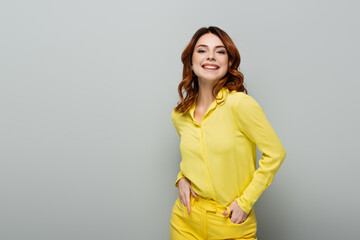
{"points": [[218, 155], [173, 113], [253, 123], [180, 175]]}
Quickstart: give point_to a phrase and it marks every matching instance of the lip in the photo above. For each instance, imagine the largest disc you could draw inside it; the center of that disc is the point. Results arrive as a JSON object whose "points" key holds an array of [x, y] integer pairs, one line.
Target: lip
{"points": [[209, 64]]}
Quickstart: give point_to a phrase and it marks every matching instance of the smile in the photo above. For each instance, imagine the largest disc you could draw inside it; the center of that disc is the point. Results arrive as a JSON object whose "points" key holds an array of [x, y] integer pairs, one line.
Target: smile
{"points": [[210, 68]]}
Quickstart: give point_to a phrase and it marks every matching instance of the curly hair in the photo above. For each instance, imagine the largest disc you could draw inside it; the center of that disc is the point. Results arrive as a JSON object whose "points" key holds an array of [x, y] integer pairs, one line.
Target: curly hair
{"points": [[233, 79]]}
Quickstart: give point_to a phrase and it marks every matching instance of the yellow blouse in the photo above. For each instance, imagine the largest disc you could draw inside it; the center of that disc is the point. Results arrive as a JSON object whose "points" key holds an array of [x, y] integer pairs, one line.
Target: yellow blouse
{"points": [[219, 154]]}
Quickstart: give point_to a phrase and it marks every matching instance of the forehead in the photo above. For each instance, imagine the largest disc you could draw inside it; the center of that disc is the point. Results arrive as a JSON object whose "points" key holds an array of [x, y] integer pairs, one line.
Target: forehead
{"points": [[209, 39]]}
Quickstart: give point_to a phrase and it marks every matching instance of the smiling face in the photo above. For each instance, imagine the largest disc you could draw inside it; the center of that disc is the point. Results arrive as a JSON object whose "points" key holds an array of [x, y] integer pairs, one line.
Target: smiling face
{"points": [[210, 58]]}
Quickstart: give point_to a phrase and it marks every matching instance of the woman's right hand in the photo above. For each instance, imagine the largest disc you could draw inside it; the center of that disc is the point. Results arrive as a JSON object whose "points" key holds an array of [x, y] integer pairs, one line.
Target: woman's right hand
{"points": [[185, 190]]}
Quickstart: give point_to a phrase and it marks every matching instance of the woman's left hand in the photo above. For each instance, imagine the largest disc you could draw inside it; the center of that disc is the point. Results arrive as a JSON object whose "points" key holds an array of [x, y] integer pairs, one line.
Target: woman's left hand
{"points": [[237, 214]]}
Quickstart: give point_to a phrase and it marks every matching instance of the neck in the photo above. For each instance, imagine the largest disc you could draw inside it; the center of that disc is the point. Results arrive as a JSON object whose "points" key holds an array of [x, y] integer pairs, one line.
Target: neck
{"points": [[205, 96]]}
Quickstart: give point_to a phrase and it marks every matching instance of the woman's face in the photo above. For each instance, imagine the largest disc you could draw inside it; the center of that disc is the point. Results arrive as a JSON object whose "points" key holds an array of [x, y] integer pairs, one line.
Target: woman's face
{"points": [[210, 58]]}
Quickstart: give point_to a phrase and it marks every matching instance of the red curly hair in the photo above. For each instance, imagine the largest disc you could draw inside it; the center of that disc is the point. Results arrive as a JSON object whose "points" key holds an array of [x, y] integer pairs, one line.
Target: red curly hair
{"points": [[233, 79]]}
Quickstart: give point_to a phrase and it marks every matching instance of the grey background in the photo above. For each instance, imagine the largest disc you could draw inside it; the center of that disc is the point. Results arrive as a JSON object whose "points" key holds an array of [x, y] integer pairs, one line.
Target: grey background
{"points": [[88, 149]]}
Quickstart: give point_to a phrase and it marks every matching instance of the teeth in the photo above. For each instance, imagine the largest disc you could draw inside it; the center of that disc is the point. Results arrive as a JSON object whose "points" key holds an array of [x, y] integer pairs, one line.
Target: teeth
{"points": [[211, 67]]}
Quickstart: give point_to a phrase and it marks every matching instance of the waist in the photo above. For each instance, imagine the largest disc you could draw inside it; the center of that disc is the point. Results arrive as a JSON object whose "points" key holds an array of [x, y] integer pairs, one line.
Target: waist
{"points": [[208, 204]]}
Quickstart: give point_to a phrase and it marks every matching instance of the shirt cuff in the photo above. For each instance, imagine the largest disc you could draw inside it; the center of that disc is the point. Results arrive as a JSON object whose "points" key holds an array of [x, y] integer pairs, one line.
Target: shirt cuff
{"points": [[244, 205], [179, 176]]}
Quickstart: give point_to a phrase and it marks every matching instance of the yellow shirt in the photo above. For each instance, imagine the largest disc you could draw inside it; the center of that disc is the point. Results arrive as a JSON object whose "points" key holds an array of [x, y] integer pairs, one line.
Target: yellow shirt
{"points": [[219, 154]]}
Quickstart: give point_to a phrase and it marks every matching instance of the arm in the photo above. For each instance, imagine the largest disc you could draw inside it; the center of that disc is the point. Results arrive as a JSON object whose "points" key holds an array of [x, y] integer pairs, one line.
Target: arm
{"points": [[253, 123], [180, 175]]}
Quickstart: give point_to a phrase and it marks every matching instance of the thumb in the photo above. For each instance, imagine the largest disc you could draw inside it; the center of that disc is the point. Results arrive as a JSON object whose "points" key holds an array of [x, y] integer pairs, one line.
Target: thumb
{"points": [[228, 209], [193, 193]]}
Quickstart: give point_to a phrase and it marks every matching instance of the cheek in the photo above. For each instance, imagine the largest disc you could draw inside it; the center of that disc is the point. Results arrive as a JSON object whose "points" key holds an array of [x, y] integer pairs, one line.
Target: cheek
{"points": [[195, 59], [226, 65], [225, 61]]}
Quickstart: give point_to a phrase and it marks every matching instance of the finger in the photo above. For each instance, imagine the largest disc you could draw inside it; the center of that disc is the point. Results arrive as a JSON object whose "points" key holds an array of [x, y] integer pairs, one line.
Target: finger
{"points": [[182, 202], [188, 202], [183, 199], [234, 218], [194, 193], [239, 221], [227, 212]]}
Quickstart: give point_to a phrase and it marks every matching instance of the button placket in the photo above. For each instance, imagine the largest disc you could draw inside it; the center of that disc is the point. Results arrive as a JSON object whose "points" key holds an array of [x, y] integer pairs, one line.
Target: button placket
{"points": [[206, 159]]}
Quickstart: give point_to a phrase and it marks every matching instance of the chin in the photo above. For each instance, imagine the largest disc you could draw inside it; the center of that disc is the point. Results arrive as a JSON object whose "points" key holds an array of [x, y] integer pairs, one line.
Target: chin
{"points": [[210, 77], [207, 79]]}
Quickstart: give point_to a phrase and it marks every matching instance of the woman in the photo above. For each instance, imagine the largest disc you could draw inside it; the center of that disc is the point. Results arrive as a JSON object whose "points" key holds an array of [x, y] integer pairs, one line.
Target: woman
{"points": [[219, 126]]}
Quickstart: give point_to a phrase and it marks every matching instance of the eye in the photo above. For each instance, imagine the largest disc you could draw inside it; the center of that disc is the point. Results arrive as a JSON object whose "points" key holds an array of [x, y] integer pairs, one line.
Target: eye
{"points": [[222, 52], [201, 51]]}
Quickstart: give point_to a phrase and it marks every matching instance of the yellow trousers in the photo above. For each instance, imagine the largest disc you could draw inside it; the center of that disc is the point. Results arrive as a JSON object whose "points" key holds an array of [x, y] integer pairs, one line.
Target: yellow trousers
{"points": [[206, 221]]}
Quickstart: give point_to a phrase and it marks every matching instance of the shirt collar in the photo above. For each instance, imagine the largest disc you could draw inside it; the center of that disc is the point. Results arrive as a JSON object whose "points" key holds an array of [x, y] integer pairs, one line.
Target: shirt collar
{"points": [[222, 95]]}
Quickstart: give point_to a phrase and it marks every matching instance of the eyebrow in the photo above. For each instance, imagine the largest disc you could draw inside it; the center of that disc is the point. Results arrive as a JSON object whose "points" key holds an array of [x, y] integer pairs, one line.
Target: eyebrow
{"points": [[203, 45]]}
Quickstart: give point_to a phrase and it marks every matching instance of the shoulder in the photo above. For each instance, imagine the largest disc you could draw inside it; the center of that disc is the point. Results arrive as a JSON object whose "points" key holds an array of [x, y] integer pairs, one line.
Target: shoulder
{"points": [[242, 101], [175, 115]]}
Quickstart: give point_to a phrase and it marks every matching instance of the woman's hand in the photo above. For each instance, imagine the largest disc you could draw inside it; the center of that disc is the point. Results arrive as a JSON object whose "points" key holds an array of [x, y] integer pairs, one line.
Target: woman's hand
{"points": [[184, 187], [237, 214]]}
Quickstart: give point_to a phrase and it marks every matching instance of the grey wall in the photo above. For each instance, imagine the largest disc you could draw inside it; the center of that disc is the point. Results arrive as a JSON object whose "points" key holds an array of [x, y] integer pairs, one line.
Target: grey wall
{"points": [[88, 149]]}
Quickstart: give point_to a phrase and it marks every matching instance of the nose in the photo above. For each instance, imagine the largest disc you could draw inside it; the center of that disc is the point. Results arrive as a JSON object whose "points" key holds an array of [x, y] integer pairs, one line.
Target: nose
{"points": [[210, 56]]}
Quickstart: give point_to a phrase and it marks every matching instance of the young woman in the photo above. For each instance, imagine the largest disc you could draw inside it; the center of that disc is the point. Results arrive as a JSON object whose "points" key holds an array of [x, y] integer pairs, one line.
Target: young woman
{"points": [[219, 126]]}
